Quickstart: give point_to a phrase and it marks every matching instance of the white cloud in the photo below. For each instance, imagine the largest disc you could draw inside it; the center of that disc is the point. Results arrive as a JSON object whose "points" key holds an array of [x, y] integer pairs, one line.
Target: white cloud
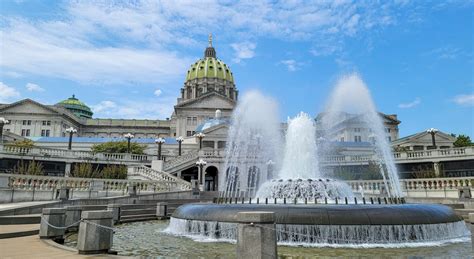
{"points": [[446, 52], [146, 34], [464, 99], [410, 104], [7, 93], [103, 106], [34, 87], [291, 64], [158, 92], [243, 50], [135, 109]]}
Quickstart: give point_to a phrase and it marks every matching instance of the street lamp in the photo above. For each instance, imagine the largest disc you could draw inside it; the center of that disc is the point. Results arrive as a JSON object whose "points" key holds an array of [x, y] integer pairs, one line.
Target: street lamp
{"points": [[129, 137], [201, 163], [433, 132], [71, 132], [200, 136], [159, 141], [180, 140], [270, 164], [3, 121]]}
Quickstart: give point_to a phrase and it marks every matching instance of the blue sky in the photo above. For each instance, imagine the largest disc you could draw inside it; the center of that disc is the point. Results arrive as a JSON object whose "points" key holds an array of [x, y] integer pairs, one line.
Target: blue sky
{"points": [[128, 59]]}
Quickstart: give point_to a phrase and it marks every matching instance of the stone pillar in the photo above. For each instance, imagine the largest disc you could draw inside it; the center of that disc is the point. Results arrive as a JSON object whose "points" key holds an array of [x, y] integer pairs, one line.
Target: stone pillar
{"points": [[115, 208], [95, 233], [157, 165], [471, 221], [256, 235], [67, 170], [162, 210], [63, 193], [52, 223], [132, 190], [73, 214]]}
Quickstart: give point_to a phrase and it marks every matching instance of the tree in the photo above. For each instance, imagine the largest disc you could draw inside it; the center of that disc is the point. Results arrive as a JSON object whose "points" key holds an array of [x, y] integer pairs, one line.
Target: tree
{"points": [[463, 141], [26, 143], [28, 168], [114, 172], [118, 147], [85, 170]]}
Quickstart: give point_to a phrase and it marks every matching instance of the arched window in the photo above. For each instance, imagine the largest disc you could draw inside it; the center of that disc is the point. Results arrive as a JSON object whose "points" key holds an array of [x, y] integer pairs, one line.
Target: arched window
{"points": [[253, 179], [232, 179]]}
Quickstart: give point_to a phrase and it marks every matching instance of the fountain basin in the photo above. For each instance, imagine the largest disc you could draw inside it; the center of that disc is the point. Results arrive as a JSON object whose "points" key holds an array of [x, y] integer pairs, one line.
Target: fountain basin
{"points": [[402, 214], [300, 224]]}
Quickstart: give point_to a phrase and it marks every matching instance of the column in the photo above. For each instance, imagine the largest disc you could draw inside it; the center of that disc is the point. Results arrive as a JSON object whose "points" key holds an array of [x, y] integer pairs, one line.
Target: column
{"points": [[95, 232], [67, 170]]}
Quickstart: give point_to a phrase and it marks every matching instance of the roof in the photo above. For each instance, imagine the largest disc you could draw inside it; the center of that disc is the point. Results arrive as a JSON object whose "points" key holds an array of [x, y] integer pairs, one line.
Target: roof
{"points": [[210, 67], [168, 140], [211, 123], [79, 108], [421, 134]]}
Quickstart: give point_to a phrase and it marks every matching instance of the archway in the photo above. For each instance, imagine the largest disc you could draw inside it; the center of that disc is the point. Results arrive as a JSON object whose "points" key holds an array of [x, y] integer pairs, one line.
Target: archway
{"points": [[190, 174], [211, 180]]}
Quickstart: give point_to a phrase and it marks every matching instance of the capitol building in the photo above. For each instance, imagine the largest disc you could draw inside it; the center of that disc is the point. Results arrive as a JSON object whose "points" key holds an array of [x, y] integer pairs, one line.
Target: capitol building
{"points": [[205, 105]]}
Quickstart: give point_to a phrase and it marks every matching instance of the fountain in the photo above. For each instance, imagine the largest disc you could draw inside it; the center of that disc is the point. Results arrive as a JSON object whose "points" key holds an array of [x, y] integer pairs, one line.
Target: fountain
{"points": [[311, 209]]}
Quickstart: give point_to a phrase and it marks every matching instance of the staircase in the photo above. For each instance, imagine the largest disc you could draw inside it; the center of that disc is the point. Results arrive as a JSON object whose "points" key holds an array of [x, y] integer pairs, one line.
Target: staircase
{"points": [[181, 162], [159, 176]]}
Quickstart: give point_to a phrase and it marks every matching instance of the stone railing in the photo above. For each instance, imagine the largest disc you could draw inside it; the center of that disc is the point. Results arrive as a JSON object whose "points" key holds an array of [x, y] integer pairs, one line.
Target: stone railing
{"points": [[434, 187], [32, 182], [70, 154], [435, 153], [193, 155], [155, 175]]}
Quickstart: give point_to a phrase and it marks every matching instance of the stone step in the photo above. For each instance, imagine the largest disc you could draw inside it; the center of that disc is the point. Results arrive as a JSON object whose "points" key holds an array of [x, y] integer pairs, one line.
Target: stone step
{"points": [[136, 212], [12, 231], [455, 205], [134, 218], [20, 219]]}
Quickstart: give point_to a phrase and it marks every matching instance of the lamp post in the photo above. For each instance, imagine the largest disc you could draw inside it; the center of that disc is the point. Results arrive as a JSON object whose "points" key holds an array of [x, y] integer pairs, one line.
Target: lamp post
{"points": [[270, 164], [129, 137], [200, 136], [201, 163], [159, 141], [180, 140], [3, 121], [71, 132], [433, 132]]}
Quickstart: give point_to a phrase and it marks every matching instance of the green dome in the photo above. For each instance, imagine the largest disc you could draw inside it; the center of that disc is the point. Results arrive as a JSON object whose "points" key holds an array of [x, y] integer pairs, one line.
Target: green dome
{"points": [[210, 67], [77, 107]]}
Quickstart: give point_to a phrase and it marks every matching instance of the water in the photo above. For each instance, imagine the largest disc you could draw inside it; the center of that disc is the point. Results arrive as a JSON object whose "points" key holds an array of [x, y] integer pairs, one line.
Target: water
{"points": [[332, 235], [351, 100], [147, 239], [301, 154], [254, 138]]}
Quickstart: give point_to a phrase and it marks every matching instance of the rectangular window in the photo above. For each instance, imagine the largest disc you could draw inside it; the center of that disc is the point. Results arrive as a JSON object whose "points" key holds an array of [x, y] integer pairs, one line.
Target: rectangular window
{"points": [[24, 122], [23, 132], [189, 133], [43, 132], [27, 133], [194, 120], [357, 139], [389, 139], [188, 121], [342, 139], [46, 123]]}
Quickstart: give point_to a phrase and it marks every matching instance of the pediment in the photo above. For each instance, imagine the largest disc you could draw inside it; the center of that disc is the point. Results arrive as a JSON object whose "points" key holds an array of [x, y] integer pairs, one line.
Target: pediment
{"points": [[218, 130], [209, 101], [27, 106]]}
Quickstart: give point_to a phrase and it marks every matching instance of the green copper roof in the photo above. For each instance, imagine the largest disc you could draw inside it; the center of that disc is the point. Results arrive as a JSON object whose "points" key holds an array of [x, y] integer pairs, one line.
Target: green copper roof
{"points": [[209, 67], [77, 107]]}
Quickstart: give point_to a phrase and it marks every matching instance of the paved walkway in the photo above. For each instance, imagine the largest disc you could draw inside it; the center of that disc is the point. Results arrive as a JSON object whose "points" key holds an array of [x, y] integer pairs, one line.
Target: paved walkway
{"points": [[15, 205], [34, 247]]}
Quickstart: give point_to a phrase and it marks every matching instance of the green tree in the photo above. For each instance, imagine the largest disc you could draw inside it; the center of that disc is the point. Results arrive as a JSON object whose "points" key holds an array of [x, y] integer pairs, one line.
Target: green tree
{"points": [[28, 168], [85, 170], [114, 172], [462, 141], [26, 143], [118, 147]]}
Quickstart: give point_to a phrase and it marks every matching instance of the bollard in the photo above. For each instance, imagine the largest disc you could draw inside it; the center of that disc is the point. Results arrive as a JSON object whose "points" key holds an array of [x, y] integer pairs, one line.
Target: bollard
{"points": [[162, 210], [95, 232], [266, 200], [115, 208], [52, 224], [73, 215], [256, 235], [471, 220]]}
